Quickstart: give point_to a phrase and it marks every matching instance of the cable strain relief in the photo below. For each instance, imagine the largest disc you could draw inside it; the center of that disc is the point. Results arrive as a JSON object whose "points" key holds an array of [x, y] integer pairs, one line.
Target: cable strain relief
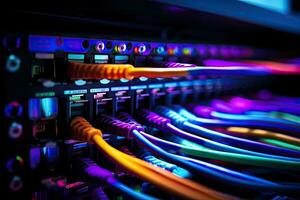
{"points": [[116, 126], [152, 119], [94, 171], [125, 117], [83, 130], [175, 118]]}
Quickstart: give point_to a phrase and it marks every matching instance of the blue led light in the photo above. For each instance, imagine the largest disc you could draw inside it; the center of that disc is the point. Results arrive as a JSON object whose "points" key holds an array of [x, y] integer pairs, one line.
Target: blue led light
{"points": [[104, 81], [80, 82], [123, 80], [143, 78], [42, 108], [49, 107], [35, 157], [75, 56], [34, 109], [101, 57]]}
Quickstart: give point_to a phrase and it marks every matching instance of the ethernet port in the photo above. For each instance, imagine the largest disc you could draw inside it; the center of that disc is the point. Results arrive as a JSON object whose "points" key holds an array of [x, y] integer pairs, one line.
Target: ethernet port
{"points": [[142, 99], [187, 95], [44, 129], [43, 67], [123, 102], [78, 106], [157, 97], [103, 104], [173, 96], [43, 113]]}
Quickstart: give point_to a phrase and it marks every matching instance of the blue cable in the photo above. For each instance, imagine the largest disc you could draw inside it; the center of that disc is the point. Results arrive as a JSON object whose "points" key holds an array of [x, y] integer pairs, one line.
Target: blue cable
{"points": [[204, 170], [184, 123], [239, 120], [94, 171], [128, 191], [258, 121], [219, 146]]}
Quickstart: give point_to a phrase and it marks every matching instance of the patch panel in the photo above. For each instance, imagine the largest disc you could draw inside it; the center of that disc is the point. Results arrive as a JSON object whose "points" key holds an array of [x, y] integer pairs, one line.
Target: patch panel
{"points": [[56, 113]]}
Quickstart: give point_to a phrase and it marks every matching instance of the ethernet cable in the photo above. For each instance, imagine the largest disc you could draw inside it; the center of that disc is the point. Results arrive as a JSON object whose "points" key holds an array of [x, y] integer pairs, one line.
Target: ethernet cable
{"points": [[275, 114], [216, 172], [166, 180], [264, 134], [127, 71], [258, 105], [238, 105], [94, 171], [280, 143], [178, 171], [203, 152], [273, 67], [190, 125], [162, 124], [242, 119], [154, 120], [147, 156], [99, 194]]}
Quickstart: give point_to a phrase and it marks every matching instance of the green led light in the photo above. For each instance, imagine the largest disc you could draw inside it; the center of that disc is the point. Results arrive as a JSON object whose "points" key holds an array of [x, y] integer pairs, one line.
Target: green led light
{"points": [[187, 51], [75, 97], [18, 158], [45, 94], [281, 144]]}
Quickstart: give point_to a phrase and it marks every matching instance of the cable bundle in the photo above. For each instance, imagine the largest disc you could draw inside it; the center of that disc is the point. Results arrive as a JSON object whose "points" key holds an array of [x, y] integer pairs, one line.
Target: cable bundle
{"points": [[202, 168], [157, 176]]}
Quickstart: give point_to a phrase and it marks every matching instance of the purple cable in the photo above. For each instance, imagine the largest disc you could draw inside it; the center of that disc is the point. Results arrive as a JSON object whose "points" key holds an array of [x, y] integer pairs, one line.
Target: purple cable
{"points": [[154, 120], [98, 173]]}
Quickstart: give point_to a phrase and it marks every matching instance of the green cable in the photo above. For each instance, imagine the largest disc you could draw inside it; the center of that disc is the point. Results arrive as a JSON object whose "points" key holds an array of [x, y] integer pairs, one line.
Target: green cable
{"points": [[204, 152], [280, 143], [276, 114], [286, 116]]}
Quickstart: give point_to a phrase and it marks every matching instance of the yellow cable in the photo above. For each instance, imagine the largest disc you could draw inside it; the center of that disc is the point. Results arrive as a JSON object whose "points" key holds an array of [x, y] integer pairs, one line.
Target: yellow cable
{"points": [[184, 188], [157, 72], [148, 175], [265, 134], [119, 71]]}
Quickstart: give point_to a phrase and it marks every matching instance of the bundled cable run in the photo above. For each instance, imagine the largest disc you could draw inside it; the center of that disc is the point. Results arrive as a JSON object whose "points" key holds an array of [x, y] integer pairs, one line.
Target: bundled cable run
{"points": [[127, 71], [175, 185]]}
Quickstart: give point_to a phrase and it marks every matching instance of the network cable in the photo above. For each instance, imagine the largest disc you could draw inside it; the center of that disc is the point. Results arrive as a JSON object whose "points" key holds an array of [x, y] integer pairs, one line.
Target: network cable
{"points": [[203, 152], [190, 125], [154, 120], [280, 143], [147, 156], [264, 134], [228, 111], [98, 194], [98, 173], [276, 114], [184, 188], [243, 119], [127, 71], [201, 167], [273, 67], [258, 105]]}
